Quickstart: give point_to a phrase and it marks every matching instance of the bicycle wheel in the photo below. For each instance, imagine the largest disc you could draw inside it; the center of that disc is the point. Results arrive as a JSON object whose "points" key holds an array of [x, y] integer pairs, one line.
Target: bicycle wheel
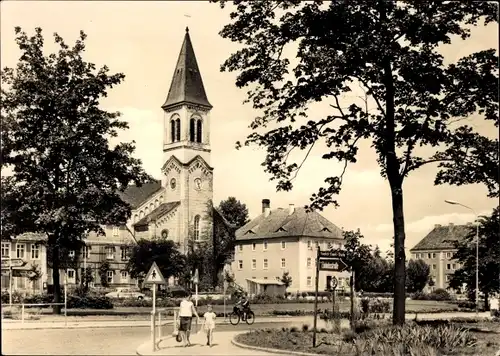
{"points": [[234, 318], [250, 319]]}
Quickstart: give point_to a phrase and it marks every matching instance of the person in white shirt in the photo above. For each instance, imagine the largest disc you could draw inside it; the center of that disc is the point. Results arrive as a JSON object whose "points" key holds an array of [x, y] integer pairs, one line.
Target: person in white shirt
{"points": [[209, 324], [186, 312]]}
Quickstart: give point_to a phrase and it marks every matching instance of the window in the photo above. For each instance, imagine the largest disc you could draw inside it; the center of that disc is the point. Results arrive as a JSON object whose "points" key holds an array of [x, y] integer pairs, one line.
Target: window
{"points": [[20, 250], [86, 250], [172, 130], [448, 254], [309, 262], [124, 276], [434, 255], [240, 264], [266, 263], [329, 246], [447, 277], [278, 279], [116, 230], [178, 129], [454, 266], [316, 243], [309, 281], [124, 252], [35, 252], [265, 277], [71, 253], [283, 263], [283, 245], [6, 249], [21, 282], [264, 246], [240, 247], [309, 245], [197, 228], [254, 245], [199, 131], [448, 266], [109, 274], [71, 275], [254, 264], [192, 130], [110, 253], [429, 256], [433, 266]]}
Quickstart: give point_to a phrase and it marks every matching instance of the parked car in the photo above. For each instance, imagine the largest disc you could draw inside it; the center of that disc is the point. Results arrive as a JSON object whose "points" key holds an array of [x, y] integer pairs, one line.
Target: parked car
{"points": [[176, 292], [126, 293]]}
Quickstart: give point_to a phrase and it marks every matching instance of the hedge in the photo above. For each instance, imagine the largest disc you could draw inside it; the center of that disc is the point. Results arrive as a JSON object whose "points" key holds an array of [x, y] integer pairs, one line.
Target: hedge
{"points": [[437, 295]]}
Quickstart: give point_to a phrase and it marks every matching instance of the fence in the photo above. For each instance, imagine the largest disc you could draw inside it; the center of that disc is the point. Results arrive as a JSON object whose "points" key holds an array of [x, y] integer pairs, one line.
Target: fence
{"points": [[158, 322], [24, 305]]}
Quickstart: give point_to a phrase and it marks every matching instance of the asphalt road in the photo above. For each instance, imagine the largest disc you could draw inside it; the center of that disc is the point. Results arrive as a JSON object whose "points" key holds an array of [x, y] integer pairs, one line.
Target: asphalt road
{"points": [[98, 341]]}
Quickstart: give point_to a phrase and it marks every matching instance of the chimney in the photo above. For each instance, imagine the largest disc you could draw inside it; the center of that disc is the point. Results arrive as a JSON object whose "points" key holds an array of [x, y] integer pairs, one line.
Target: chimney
{"points": [[267, 211], [266, 203], [437, 225], [291, 209]]}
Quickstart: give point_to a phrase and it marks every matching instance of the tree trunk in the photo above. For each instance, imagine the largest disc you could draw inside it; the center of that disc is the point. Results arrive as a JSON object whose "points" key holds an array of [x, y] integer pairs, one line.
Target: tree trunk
{"points": [[486, 301], [398, 313], [55, 278]]}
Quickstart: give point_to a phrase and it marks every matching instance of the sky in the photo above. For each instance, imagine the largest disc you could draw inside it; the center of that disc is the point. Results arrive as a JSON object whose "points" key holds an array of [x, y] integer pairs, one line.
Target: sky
{"points": [[143, 40]]}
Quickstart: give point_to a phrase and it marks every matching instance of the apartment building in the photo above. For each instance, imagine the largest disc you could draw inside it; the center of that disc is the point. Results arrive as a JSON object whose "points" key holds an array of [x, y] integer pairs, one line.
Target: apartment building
{"points": [[27, 255], [111, 249], [285, 240], [437, 249]]}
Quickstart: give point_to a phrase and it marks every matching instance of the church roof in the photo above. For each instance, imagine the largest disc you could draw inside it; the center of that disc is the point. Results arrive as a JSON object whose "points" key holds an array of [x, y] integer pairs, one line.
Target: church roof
{"points": [[161, 210], [187, 85], [280, 223], [441, 237], [135, 195]]}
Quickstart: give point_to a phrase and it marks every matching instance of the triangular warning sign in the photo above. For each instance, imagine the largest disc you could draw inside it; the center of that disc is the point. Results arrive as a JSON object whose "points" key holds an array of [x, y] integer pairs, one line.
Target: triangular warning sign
{"points": [[154, 276]]}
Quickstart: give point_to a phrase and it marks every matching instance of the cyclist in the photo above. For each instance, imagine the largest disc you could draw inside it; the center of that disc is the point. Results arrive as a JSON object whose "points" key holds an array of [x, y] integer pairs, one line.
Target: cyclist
{"points": [[243, 305]]}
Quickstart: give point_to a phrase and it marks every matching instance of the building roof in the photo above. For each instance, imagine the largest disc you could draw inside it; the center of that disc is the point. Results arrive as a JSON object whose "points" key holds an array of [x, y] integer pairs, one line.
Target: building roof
{"points": [[280, 223], [124, 237], [441, 237], [187, 85], [135, 195], [31, 237], [161, 210], [266, 281]]}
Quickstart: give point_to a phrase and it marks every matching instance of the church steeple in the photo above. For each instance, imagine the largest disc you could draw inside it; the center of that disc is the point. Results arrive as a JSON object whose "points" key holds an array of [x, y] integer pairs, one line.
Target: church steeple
{"points": [[187, 85]]}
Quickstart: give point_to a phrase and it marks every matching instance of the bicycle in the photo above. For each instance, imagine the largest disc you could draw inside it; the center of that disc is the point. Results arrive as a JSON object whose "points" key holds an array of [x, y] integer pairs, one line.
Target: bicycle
{"points": [[237, 315]]}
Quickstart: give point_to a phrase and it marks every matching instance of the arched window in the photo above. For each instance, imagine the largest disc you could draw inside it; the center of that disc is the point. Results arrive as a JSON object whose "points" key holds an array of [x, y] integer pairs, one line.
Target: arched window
{"points": [[141, 214], [161, 198], [178, 129], [197, 228], [172, 130], [192, 130], [199, 131], [151, 207], [156, 203], [146, 210], [135, 218]]}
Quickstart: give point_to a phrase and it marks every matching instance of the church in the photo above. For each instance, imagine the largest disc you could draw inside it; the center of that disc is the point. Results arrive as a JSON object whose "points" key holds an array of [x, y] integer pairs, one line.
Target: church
{"points": [[179, 206]]}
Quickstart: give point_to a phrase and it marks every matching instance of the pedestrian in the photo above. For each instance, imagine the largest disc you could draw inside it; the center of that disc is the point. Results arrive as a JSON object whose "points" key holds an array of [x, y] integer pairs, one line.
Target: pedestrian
{"points": [[209, 324], [186, 312]]}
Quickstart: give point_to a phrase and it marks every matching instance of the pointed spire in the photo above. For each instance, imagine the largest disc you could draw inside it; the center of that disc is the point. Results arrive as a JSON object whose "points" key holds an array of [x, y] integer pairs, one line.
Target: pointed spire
{"points": [[187, 85]]}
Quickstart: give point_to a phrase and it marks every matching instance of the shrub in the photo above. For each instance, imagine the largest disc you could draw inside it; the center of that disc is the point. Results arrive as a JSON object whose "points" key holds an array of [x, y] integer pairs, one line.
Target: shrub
{"points": [[440, 337], [39, 299], [380, 306], [89, 302], [467, 305], [17, 297], [437, 295]]}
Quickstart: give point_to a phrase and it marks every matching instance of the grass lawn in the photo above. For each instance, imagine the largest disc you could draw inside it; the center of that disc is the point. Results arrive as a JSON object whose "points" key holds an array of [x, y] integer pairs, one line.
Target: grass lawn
{"points": [[486, 334]]}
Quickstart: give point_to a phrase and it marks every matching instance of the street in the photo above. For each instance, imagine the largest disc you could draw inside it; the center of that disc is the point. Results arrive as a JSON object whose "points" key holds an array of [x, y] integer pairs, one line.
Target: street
{"points": [[97, 341]]}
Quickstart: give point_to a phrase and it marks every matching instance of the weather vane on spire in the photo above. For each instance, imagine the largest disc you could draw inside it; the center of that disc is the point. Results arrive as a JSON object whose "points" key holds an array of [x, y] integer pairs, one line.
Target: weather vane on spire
{"points": [[188, 16]]}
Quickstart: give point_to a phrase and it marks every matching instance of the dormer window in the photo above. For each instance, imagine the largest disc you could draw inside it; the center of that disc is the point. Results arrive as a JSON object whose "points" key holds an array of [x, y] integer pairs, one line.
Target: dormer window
{"points": [[281, 229], [326, 229]]}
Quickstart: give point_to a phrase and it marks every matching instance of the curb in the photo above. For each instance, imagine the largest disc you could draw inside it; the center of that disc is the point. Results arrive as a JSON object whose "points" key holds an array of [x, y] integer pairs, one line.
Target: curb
{"points": [[265, 349]]}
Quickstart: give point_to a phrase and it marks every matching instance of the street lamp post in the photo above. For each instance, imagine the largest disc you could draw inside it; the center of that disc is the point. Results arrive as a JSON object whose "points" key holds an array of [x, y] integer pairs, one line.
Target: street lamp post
{"points": [[452, 202]]}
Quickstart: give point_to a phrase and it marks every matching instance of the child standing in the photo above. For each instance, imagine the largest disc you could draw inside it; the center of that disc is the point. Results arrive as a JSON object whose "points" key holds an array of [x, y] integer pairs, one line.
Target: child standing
{"points": [[209, 324]]}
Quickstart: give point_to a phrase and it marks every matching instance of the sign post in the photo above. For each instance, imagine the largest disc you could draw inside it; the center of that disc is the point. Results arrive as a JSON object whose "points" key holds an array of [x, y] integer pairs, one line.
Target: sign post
{"points": [[154, 277], [196, 279], [316, 297]]}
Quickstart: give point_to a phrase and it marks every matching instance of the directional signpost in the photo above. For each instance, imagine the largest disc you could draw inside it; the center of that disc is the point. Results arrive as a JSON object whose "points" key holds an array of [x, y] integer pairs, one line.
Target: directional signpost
{"points": [[154, 277], [333, 261]]}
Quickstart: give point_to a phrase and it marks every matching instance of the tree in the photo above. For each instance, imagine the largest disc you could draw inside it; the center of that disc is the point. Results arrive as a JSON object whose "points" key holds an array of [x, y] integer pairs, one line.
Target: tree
{"points": [[417, 276], [286, 279], [234, 211], [358, 257], [388, 49], [489, 257], [66, 175], [165, 253]]}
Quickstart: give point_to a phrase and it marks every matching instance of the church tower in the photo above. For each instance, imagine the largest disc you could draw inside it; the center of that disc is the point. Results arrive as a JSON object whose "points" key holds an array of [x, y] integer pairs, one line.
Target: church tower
{"points": [[187, 175]]}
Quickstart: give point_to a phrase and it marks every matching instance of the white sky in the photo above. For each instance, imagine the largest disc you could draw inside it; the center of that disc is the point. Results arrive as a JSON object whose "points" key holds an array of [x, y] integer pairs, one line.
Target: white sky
{"points": [[143, 39]]}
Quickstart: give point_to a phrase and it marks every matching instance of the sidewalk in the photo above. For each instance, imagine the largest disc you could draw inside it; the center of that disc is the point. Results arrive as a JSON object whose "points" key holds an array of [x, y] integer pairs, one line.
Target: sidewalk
{"points": [[293, 320], [222, 346]]}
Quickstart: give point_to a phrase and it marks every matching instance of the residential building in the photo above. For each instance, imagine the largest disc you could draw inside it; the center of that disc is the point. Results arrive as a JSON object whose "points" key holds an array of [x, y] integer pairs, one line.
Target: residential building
{"points": [[111, 249], [27, 255], [437, 249], [285, 240]]}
